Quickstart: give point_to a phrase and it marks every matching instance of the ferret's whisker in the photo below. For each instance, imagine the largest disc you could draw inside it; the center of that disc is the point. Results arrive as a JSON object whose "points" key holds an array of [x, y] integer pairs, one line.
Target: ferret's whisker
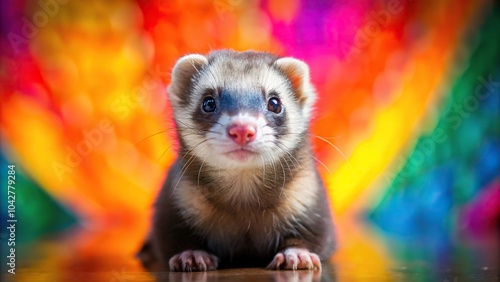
{"points": [[314, 157], [263, 169], [340, 152], [287, 158], [324, 140], [272, 160], [188, 163], [158, 160], [287, 151], [183, 170], [284, 178], [307, 133], [328, 137], [199, 171], [146, 138], [268, 157], [324, 165]]}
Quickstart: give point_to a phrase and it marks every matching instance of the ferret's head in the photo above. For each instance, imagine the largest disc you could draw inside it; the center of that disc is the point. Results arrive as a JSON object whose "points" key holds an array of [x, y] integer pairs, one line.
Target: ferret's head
{"points": [[243, 109]]}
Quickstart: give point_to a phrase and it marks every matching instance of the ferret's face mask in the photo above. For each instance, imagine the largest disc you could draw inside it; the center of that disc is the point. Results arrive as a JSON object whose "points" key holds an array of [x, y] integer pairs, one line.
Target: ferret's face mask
{"points": [[241, 110]]}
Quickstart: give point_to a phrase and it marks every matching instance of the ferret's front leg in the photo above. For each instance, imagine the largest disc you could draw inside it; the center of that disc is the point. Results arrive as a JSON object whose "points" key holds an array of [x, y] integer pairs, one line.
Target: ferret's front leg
{"points": [[183, 251], [295, 256], [193, 260], [295, 259], [179, 246]]}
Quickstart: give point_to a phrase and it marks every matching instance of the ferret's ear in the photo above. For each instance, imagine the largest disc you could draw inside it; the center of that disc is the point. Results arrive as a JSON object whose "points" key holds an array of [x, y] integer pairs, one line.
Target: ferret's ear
{"points": [[298, 73], [185, 68]]}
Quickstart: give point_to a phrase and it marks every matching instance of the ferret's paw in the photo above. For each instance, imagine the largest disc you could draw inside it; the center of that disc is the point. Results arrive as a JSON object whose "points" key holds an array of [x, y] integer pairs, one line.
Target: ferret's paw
{"points": [[295, 259], [190, 260]]}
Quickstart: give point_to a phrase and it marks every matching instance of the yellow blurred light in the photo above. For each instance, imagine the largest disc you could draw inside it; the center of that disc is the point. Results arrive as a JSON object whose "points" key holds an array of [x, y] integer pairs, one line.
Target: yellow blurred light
{"points": [[394, 126]]}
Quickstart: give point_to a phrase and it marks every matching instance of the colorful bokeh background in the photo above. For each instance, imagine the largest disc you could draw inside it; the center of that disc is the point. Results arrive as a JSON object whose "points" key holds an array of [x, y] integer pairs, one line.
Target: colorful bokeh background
{"points": [[407, 123]]}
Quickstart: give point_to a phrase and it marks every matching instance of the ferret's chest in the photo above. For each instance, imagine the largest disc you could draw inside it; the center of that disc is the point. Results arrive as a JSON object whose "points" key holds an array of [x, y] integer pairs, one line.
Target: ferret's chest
{"points": [[244, 236], [241, 215], [238, 210], [254, 232], [238, 216]]}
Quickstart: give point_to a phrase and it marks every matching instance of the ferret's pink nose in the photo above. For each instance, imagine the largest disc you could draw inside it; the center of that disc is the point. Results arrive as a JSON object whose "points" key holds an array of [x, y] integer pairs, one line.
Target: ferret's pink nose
{"points": [[242, 134]]}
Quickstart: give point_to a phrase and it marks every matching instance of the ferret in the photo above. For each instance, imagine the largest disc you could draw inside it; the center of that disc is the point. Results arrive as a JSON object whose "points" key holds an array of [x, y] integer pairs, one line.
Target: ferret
{"points": [[244, 190]]}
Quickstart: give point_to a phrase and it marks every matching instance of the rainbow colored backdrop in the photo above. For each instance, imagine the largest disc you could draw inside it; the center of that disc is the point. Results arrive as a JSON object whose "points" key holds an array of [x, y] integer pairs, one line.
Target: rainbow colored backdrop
{"points": [[409, 97]]}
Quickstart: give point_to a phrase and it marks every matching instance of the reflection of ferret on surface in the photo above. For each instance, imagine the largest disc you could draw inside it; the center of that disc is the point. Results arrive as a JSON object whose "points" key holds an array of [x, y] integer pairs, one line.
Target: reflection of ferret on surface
{"points": [[244, 190], [248, 275]]}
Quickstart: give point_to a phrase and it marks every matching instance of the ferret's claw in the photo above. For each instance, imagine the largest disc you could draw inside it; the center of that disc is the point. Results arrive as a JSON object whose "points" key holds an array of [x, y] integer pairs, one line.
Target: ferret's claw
{"points": [[295, 259], [190, 260]]}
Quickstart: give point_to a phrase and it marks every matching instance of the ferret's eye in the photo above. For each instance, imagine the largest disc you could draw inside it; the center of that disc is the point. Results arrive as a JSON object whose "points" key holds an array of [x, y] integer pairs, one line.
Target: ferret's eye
{"points": [[274, 105], [208, 105]]}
